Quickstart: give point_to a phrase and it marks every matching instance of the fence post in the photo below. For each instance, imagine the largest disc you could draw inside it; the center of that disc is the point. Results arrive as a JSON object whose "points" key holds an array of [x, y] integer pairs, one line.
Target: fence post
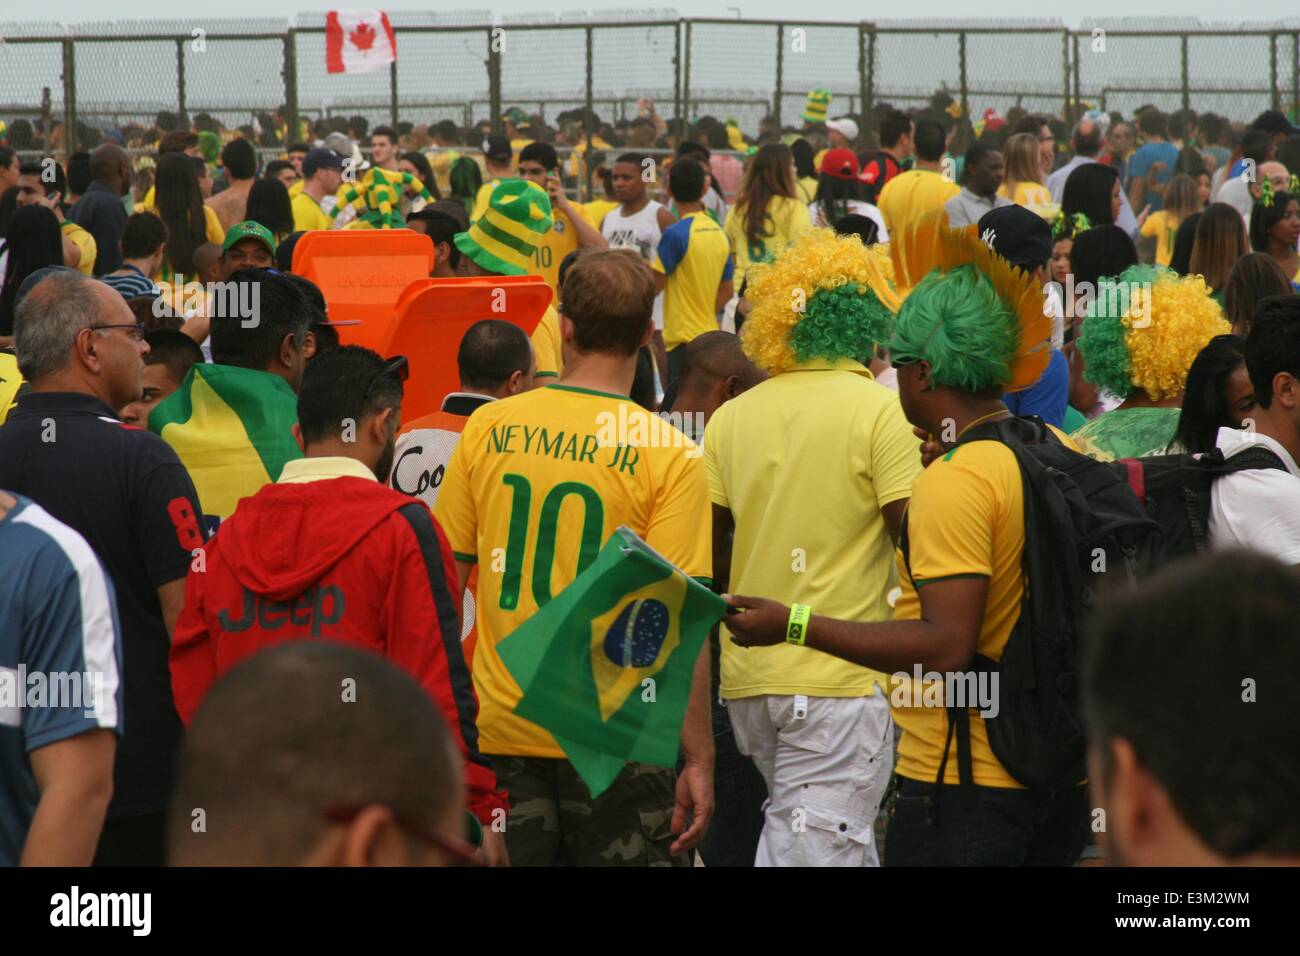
{"points": [[1065, 62], [686, 78], [1275, 95], [961, 65], [291, 84], [1295, 71], [392, 91], [677, 71], [1078, 90], [866, 65], [780, 68], [70, 95], [494, 80], [586, 178], [180, 76], [1187, 94]]}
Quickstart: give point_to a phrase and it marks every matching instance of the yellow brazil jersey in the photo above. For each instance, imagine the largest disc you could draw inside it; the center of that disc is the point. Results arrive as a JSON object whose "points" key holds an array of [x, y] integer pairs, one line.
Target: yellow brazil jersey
{"points": [[911, 195], [805, 462], [307, 213], [536, 486], [10, 381], [86, 243], [1033, 196], [807, 187], [695, 256], [966, 517], [547, 348], [553, 247], [296, 188], [787, 219], [1164, 226], [598, 209]]}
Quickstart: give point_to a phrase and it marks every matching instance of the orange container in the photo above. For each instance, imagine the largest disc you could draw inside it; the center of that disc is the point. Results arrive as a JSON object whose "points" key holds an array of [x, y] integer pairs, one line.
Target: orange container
{"points": [[432, 316], [362, 273]]}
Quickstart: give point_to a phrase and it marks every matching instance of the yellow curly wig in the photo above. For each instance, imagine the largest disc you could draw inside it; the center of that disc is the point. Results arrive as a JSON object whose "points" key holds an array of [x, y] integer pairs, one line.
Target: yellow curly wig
{"points": [[814, 301], [1150, 344]]}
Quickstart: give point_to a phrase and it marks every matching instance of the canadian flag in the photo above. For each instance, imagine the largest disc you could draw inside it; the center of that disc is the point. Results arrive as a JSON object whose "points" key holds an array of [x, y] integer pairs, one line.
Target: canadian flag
{"points": [[358, 41]]}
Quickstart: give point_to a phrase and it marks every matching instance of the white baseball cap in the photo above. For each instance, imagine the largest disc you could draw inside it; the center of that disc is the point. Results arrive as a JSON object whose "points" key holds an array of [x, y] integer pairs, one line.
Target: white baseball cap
{"points": [[845, 126]]}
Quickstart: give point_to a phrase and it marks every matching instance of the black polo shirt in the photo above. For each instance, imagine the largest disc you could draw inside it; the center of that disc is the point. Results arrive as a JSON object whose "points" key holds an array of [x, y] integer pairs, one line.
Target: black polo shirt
{"points": [[127, 493]]}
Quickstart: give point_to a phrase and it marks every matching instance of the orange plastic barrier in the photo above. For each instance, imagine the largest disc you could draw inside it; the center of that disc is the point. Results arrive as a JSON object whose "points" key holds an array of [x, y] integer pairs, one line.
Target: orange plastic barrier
{"points": [[432, 316], [362, 273]]}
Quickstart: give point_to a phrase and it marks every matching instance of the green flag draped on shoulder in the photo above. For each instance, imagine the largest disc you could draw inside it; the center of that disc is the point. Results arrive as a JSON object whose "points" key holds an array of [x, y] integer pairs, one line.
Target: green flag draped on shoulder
{"points": [[231, 429], [606, 665]]}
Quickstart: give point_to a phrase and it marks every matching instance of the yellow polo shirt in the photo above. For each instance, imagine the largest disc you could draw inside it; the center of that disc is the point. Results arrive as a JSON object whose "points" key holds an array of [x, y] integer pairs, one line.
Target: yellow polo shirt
{"points": [[559, 241], [547, 346], [86, 243], [307, 213], [966, 517], [805, 461]]}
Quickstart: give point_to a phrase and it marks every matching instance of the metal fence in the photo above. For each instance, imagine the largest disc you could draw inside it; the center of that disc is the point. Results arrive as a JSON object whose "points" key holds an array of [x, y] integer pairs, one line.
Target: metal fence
{"points": [[752, 71]]}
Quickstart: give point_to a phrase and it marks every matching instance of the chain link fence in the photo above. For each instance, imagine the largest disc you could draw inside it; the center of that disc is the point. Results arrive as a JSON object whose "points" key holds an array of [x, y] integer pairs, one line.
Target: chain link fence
{"points": [[81, 80]]}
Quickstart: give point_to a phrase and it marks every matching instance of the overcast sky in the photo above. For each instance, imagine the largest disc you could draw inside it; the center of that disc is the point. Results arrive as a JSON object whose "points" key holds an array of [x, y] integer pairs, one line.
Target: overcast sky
{"points": [[1071, 11]]}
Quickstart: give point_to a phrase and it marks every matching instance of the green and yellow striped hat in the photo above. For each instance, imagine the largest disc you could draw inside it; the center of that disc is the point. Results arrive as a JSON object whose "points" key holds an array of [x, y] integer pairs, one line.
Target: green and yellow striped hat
{"points": [[819, 103], [503, 238]]}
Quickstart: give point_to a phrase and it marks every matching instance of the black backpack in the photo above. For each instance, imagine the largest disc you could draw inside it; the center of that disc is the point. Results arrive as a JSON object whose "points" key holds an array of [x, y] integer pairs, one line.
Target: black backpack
{"points": [[1084, 530], [1175, 491]]}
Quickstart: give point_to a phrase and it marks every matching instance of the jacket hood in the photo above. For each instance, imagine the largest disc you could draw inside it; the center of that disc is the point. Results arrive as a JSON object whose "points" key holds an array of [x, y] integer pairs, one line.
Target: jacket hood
{"points": [[285, 538]]}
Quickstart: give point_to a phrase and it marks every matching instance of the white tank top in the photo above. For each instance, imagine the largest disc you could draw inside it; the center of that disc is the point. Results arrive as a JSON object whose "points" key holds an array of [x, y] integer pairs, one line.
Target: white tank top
{"points": [[641, 233]]}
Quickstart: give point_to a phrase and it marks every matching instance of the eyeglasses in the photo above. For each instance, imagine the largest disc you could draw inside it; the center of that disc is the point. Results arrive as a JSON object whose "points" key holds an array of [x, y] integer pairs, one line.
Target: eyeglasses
{"points": [[137, 329], [461, 851], [397, 365]]}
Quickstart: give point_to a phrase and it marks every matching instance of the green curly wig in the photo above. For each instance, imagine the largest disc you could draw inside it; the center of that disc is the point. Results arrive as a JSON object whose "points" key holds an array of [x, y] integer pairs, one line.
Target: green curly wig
{"points": [[956, 321]]}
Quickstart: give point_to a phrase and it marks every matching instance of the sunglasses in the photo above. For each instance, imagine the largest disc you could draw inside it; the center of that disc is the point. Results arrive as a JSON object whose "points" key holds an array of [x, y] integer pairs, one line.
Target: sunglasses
{"points": [[461, 851], [397, 365]]}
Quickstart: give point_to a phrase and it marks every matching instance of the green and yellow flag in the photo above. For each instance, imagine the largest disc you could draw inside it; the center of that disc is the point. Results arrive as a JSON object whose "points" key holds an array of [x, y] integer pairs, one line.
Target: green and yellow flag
{"points": [[230, 427], [606, 665]]}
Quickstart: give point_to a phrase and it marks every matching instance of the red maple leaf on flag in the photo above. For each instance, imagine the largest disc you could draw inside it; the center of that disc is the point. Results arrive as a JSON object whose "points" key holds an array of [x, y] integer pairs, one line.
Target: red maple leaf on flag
{"points": [[363, 37]]}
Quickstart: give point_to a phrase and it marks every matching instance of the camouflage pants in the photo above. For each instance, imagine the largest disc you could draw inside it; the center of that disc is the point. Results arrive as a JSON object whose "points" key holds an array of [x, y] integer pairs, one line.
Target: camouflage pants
{"points": [[554, 821]]}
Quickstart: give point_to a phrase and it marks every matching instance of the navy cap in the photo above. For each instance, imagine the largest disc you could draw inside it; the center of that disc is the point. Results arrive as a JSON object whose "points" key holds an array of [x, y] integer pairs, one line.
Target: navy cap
{"points": [[320, 158], [1021, 237]]}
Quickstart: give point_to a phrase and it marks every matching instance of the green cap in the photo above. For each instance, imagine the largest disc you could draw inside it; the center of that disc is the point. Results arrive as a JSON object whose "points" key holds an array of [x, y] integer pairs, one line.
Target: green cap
{"points": [[516, 116], [249, 230], [503, 238]]}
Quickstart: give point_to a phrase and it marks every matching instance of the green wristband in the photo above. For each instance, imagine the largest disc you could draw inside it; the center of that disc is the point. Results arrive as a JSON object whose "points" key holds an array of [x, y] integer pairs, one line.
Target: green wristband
{"points": [[796, 631]]}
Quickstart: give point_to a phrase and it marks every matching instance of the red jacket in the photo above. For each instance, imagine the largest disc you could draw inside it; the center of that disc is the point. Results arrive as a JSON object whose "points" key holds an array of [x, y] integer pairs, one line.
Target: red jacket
{"points": [[343, 559]]}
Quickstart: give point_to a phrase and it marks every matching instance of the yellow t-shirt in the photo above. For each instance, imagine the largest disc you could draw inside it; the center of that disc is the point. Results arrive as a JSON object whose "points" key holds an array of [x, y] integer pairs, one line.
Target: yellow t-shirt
{"points": [[547, 345], [86, 243], [805, 461], [787, 218], [533, 490], [696, 257], [807, 186], [912, 195], [295, 189], [553, 247], [307, 213], [966, 517], [10, 381], [598, 209], [1033, 196], [1164, 226]]}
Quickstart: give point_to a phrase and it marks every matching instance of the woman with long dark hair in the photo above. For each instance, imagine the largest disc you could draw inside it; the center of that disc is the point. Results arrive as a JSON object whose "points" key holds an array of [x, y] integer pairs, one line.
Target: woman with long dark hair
{"points": [[1184, 242], [269, 204], [805, 169], [1254, 278], [1092, 189], [1218, 394], [1220, 242], [1275, 229], [32, 241], [418, 166], [178, 202], [767, 215]]}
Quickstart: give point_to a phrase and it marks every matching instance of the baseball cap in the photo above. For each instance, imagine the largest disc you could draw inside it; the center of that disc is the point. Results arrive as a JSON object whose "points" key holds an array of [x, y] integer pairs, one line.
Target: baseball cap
{"points": [[496, 147], [844, 126], [249, 230], [320, 158], [516, 116], [1021, 237], [1274, 121], [840, 163]]}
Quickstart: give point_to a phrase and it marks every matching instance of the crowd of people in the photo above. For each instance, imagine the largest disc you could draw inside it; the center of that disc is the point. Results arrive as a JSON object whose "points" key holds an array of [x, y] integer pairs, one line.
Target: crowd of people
{"points": [[882, 373]]}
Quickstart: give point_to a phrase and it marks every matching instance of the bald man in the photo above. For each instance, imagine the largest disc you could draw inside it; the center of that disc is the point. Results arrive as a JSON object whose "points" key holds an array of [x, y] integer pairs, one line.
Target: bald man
{"points": [[714, 369], [100, 211]]}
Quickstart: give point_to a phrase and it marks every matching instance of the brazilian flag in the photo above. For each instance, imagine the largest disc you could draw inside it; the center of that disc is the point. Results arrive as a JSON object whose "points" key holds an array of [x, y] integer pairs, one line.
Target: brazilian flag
{"points": [[231, 429], [606, 665]]}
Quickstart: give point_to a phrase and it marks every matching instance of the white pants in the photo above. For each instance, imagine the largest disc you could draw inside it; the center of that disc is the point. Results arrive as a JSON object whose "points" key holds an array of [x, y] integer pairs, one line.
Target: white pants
{"points": [[826, 761]]}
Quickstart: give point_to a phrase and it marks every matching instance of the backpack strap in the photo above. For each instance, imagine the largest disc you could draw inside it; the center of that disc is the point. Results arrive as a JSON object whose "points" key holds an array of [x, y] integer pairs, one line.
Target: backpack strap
{"points": [[1260, 456]]}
